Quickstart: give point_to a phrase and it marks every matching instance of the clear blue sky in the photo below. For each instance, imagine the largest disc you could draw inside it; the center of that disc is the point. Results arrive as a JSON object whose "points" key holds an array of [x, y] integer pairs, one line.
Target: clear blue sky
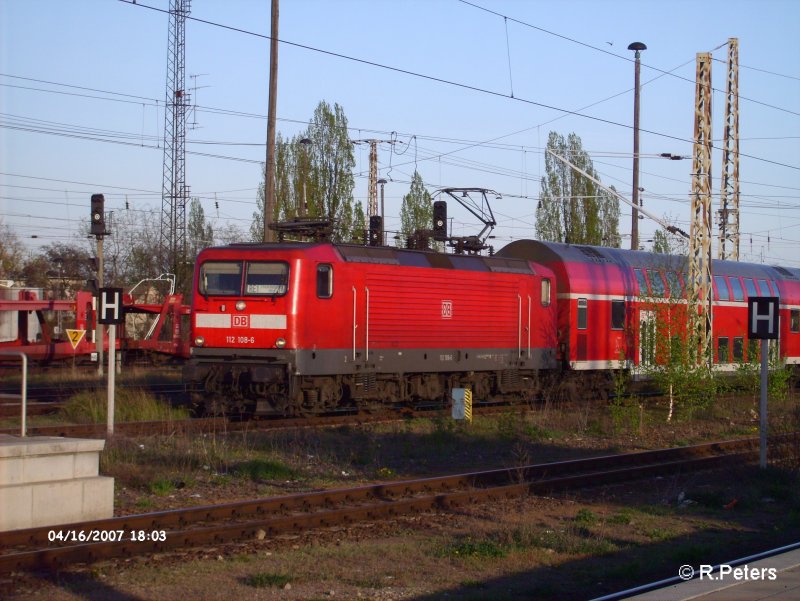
{"points": [[74, 74]]}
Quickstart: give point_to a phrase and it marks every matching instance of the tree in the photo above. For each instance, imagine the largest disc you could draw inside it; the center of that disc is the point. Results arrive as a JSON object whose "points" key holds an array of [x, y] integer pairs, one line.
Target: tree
{"points": [[317, 173], [416, 211], [199, 233], [666, 243], [11, 253], [571, 207]]}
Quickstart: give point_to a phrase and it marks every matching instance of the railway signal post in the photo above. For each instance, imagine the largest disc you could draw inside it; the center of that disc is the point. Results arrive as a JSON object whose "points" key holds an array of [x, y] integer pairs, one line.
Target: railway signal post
{"points": [[109, 312], [762, 324]]}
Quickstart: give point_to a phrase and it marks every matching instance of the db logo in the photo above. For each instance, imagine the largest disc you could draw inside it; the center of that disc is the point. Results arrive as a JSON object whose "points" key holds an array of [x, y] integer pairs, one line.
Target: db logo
{"points": [[241, 321], [447, 309]]}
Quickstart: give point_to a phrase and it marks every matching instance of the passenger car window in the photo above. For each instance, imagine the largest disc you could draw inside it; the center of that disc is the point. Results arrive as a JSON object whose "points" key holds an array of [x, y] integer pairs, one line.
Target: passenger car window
{"points": [[656, 283], [583, 313], [722, 288], [268, 278], [736, 286], [738, 348], [674, 282], [763, 288], [723, 350], [750, 286], [617, 314], [794, 321], [642, 282]]}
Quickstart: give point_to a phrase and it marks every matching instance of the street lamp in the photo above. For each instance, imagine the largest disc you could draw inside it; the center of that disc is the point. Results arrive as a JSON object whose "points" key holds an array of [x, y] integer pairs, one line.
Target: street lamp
{"points": [[637, 47]]}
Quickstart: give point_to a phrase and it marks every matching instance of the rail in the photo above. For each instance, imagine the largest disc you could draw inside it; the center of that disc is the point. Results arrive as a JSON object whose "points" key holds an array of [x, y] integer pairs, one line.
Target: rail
{"points": [[24, 391]]}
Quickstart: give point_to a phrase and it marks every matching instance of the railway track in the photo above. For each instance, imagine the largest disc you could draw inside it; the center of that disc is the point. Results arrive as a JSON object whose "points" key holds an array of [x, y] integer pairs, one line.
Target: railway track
{"points": [[194, 425], [55, 547]]}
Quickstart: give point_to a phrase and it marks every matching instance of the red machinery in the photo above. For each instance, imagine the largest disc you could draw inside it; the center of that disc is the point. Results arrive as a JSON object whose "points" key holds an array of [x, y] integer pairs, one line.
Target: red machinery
{"points": [[307, 327], [167, 336]]}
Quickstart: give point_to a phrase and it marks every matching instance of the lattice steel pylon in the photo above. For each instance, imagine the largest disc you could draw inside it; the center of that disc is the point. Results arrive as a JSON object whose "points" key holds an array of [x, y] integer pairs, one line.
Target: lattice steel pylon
{"points": [[700, 231], [175, 192], [729, 183], [372, 202]]}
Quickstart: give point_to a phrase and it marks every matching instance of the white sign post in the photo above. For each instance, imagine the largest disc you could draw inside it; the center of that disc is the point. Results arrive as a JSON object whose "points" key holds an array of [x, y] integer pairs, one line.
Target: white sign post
{"points": [[110, 313], [763, 322]]}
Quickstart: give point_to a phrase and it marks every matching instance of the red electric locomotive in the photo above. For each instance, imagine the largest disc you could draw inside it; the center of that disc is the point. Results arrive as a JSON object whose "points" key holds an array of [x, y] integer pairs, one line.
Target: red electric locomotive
{"points": [[300, 328]]}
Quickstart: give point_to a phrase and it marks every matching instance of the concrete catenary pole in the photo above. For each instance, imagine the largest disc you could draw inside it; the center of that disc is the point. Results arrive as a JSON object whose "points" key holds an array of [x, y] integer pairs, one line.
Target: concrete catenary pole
{"points": [[269, 177]]}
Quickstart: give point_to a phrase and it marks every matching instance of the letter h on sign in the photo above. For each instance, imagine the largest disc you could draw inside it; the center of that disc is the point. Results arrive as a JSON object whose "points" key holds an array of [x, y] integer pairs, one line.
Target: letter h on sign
{"points": [[762, 317], [109, 306]]}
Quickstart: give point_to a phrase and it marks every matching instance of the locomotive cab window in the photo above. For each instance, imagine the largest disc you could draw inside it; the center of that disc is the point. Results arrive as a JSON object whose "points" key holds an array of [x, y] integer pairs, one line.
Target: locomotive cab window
{"points": [[583, 313], [324, 281], [545, 292], [267, 278], [794, 321], [220, 278], [617, 314]]}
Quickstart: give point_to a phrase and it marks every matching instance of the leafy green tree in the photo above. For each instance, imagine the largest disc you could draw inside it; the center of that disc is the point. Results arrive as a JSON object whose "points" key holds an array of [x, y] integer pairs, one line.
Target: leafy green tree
{"points": [[314, 177], [571, 207], [199, 233], [416, 211], [667, 243], [11, 253]]}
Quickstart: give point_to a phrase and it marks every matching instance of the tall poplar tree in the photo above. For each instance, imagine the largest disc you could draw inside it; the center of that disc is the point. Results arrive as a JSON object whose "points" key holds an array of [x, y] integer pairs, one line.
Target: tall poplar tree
{"points": [[571, 207], [416, 211], [316, 175]]}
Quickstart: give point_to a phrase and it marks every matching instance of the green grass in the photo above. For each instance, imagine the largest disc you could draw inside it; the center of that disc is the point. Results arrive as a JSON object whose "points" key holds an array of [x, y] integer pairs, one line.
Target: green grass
{"points": [[130, 405], [267, 580], [264, 469]]}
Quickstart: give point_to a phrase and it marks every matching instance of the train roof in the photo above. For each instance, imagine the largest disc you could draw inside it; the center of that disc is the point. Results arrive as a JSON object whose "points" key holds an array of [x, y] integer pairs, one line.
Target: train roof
{"points": [[552, 252], [387, 255]]}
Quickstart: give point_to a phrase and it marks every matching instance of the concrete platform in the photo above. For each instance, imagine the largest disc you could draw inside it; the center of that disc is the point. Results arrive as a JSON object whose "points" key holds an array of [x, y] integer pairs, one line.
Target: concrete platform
{"points": [[784, 586], [52, 480]]}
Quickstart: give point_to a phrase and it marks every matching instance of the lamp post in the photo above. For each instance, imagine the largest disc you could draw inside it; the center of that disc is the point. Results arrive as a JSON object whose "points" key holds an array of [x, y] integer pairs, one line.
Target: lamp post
{"points": [[637, 47], [382, 182]]}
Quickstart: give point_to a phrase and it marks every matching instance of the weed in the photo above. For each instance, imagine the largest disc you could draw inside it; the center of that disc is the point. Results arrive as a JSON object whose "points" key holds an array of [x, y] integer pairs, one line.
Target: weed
{"points": [[586, 517], [385, 472], [162, 487], [264, 469], [132, 405], [482, 548], [266, 580], [621, 518]]}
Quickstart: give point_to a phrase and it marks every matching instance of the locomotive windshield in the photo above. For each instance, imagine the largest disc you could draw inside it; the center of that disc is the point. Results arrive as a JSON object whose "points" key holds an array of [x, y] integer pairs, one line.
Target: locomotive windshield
{"points": [[224, 278], [266, 278], [221, 278]]}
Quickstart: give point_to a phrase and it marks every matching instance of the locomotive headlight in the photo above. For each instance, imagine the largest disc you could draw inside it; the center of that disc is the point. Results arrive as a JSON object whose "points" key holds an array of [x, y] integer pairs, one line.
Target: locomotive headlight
{"points": [[199, 341], [280, 342], [240, 305]]}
